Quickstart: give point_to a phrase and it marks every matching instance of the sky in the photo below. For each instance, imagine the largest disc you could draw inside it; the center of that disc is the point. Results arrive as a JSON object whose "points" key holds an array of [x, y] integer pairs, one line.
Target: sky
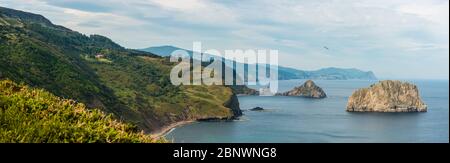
{"points": [[396, 39]]}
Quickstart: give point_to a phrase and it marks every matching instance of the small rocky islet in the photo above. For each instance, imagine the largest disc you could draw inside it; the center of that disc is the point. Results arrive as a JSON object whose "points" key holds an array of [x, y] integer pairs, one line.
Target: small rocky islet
{"points": [[309, 90], [384, 96], [387, 96], [257, 109]]}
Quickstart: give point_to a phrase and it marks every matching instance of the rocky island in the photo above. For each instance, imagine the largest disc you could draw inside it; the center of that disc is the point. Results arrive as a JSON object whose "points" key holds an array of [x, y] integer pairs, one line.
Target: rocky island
{"points": [[387, 96], [309, 89]]}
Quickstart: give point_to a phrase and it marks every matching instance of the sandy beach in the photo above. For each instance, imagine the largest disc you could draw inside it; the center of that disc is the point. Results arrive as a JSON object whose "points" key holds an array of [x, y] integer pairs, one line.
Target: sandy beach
{"points": [[165, 130]]}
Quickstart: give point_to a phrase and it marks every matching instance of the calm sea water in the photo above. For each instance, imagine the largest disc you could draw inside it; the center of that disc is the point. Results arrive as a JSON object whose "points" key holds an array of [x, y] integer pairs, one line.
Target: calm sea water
{"points": [[301, 120]]}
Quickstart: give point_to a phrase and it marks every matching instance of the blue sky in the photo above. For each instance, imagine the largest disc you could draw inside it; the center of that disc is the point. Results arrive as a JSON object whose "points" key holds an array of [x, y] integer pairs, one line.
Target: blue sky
{"points": [[399, 39]]}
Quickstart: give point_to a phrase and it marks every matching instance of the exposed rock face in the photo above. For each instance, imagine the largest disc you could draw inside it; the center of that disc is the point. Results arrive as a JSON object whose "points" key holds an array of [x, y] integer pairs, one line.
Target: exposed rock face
{"points": [[387, 96], [308, 89], [233, 104]]}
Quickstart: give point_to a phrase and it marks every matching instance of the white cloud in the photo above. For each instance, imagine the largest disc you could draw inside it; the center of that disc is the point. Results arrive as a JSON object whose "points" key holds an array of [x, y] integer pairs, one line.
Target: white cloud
{"points": [[201, 12], [181, 4], [437, 12], [358, 32]]}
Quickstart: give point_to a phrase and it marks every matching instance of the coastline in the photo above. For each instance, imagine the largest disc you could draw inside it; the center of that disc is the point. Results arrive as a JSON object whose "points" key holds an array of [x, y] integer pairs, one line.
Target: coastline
{"points": [[165, 130]]}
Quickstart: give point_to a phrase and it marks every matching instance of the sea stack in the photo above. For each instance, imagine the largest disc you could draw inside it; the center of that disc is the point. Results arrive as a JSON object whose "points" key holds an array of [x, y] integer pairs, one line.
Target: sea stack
{"points": [[387, 96], [309, 89]]}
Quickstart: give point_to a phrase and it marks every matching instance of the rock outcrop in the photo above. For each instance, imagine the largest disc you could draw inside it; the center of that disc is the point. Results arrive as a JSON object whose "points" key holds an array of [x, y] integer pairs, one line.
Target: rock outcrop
{"points": [[233, 104], [257, 109], [309, 89], [387, 96]]}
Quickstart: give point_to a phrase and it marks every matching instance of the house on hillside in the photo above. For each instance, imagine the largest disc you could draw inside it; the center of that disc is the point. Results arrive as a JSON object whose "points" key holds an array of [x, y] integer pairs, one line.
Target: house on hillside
{"points": [[99, 56]]}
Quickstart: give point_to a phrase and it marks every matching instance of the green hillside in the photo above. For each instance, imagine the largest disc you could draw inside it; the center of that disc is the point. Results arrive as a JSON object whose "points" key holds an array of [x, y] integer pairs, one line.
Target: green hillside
{"points": [[34, 115], [132, 85]]}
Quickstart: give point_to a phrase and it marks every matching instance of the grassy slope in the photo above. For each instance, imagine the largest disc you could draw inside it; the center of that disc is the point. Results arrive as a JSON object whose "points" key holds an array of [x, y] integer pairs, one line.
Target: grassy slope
{"points": [[132, 85], [35, 115]]}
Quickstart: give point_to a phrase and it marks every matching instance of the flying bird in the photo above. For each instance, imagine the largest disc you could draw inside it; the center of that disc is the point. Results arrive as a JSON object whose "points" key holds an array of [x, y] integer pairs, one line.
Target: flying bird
{"points": [[326, 48]]}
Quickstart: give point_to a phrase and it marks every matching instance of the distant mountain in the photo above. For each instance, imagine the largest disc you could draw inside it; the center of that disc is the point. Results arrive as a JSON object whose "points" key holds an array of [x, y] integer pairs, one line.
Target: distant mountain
{"points": [[331, 73], [163, 51], [285, 73]]}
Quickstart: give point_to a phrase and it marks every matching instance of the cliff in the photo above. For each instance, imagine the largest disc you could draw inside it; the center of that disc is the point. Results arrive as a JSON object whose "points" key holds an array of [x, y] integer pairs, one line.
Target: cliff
{"points": [[233, 104], [387, 96]]}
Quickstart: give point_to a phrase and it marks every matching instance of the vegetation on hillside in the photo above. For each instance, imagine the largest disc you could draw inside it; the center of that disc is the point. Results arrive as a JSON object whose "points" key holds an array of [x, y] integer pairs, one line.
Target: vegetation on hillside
{"points": [[132, 85], [34, 116]]}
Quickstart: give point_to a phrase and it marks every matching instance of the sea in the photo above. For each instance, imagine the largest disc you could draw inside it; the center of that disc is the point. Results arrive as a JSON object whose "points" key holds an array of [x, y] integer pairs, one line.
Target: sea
{"points": [[304, 120]]}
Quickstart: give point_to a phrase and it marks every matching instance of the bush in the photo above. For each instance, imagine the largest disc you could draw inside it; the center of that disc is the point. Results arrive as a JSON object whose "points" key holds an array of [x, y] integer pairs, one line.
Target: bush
{"points": [[30, 115]]}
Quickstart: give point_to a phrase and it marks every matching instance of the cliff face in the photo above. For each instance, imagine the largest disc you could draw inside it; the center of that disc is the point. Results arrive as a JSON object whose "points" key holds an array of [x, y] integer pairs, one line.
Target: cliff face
{"points": [[387, 96], [233, 104], [308, 89]]}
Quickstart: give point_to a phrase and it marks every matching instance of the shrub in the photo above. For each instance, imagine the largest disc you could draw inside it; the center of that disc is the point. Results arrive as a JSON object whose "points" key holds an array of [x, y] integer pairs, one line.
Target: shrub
{"points": [[29, 115]]}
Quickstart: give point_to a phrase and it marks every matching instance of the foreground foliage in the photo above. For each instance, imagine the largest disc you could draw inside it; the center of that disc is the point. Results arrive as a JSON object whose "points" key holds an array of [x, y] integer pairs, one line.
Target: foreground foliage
{"points": [[34, 115]]}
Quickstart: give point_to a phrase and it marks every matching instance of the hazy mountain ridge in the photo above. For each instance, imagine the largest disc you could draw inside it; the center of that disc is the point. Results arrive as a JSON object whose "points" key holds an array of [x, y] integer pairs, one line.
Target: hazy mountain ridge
{"points": [[285, 73]]}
